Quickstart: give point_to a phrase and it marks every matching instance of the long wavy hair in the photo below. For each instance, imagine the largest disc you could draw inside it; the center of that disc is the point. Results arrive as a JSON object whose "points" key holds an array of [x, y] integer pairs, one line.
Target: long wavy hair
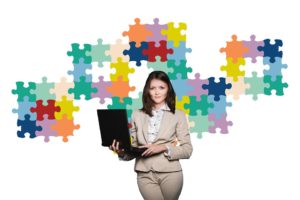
{"points": [[148, 103]]}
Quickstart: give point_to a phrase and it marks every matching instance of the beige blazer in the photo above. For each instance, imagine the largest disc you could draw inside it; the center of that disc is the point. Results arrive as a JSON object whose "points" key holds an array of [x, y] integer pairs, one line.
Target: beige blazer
{"points": [[172, 127]]}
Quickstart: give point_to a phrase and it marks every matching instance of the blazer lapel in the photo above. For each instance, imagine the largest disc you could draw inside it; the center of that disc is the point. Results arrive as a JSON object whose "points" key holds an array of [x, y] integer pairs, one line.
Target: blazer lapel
{"points": [[145, 126]]}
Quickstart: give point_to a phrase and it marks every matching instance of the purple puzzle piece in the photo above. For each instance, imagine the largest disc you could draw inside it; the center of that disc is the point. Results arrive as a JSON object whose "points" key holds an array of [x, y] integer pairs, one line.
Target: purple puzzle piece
{"points": [[156, 31], [102, 91], [197, 86], [252, 49], [219, 123], [46, 131]]}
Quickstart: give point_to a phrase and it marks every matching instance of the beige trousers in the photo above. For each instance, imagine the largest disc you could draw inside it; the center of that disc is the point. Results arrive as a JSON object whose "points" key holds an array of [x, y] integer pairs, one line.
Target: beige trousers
{"points": [[160, 185]]}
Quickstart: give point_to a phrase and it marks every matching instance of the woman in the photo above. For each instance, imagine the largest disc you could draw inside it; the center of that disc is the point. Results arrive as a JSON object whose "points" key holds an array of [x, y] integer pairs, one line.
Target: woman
{"points": [[158, 126]]}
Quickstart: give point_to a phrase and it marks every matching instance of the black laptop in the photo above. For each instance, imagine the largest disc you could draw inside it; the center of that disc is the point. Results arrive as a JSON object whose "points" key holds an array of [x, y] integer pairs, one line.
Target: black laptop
{"points": [[113, 124]]}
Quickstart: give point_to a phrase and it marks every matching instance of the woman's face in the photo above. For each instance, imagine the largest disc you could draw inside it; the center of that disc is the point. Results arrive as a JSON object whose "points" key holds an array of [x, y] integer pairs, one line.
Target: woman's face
{"points": [[158, 92]]}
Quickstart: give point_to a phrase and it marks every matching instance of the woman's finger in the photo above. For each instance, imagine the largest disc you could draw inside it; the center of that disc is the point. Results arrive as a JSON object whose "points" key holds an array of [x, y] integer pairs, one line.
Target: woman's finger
{"points": [[113, 144], [117, 147], [147, 152]]}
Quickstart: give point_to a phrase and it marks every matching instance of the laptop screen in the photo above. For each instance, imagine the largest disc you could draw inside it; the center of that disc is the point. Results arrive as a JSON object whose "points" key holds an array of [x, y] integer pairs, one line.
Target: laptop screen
{"points": [[113, 124]]}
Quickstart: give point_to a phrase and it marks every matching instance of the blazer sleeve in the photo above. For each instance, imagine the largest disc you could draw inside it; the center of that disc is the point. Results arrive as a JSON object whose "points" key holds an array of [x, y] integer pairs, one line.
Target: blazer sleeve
{"points": [[185, 149], [133, 130]]}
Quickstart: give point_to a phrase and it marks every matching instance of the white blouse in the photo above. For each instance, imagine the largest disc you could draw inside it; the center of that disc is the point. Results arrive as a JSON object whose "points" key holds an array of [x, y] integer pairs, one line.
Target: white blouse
{"points": [[155, 121]]}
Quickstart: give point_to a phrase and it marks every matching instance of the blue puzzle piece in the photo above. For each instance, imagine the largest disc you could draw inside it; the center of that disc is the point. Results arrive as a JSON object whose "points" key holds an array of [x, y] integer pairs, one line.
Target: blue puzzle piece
{"points": [[181, 87], [275, 67], [28, 126], [216, 88], [271, 50], [136, 53], [80, 70], [24, 108], [219, 106], [178, 52]]}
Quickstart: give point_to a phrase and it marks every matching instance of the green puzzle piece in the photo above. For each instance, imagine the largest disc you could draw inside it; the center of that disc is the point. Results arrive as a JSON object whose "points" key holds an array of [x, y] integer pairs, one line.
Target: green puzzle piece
{"points": [[22, 91], [82, 88], [275, 85]]}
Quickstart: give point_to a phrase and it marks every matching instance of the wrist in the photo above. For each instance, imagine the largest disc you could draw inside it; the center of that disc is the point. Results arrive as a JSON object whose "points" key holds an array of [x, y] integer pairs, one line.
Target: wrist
{"points": [[166, 148]]}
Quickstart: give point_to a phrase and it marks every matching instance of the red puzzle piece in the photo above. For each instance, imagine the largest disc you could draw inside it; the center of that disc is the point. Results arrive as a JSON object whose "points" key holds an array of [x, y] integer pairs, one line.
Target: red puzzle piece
{"points": [[154, 51], [41, 110]]}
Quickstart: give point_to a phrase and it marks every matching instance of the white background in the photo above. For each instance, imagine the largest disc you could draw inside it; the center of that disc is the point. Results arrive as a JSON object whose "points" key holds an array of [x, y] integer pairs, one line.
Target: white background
{"points": [[258, 159]]}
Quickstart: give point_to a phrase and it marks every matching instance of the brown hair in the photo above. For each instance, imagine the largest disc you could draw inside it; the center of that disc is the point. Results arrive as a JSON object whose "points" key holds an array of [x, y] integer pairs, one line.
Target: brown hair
{"points": [[171, 96]]}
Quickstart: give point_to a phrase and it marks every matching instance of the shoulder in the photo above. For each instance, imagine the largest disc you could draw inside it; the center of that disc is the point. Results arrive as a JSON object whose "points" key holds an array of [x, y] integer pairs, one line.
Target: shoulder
{"points": [[179, 113], [137, 113]]}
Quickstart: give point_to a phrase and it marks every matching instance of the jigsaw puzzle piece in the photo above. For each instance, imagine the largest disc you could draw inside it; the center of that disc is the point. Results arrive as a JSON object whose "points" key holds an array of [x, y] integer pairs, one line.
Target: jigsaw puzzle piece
{"points": [[219, 107], [66, 108], [156, 29], [221, 123], [271, 50], [99, 53], [159, 66], [181, 87], [216, 89], [197, 86], [233, 68], [46, 131], [120, 88], [118, 104], [253, 52], [238, 88], [24, 108], [276, 85], [82, 88], [255, 85], [174, 33], [275, 67], [102, 92], [235, 49], [116, 51], [80, 71], [199, 124], [136, 53], [65, 127], [61, 89], [161, 50], [194, 106], [181, 69], [122, 69], [28, 126], [136, 104], [22, 91], [137, 33], [42, 90], [78, 53], [178, 52], [180, 104], [42, 110]]}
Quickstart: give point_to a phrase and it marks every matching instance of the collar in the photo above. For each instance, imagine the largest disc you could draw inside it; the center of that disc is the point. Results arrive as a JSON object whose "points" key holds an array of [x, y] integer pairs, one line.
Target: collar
{"points": [[164, 107]]}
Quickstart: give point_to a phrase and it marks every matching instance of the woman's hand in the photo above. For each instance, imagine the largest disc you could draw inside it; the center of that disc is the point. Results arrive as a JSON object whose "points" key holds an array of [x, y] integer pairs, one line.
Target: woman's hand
{"points": [[115, 147], [153, 149]]}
